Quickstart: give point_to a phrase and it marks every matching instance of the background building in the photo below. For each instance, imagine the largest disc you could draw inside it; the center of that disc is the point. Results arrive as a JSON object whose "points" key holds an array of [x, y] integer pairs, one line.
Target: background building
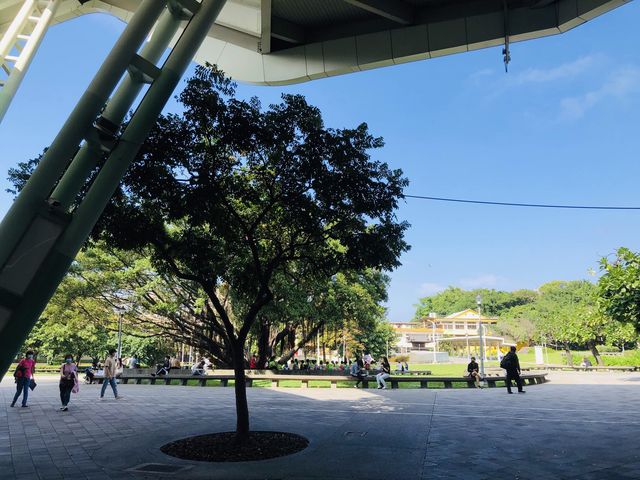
{"points": [[436, 338]]}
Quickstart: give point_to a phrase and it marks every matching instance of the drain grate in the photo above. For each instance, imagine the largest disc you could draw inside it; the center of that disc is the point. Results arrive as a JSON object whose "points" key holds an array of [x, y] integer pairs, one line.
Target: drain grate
{"points": [[158, 468]]}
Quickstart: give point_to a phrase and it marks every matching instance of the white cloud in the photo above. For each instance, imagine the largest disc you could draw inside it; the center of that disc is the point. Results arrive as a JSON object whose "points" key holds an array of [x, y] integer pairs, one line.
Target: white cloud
{"points": [[618, 85], [480, 281], [566, 70], [429, 288], [485, 72]]}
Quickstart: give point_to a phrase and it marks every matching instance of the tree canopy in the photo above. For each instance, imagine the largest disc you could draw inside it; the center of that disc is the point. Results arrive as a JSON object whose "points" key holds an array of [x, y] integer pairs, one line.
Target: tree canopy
{"points": [[454, 299], [227, 196], [619, 287]]}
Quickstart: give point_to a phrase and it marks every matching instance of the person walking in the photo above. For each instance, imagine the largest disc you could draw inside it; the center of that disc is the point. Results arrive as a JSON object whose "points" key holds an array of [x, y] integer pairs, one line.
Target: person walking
{"points": [[511, 364], [68, 381], [473, 370], [110, 374], [23, 375], [383, 374]]}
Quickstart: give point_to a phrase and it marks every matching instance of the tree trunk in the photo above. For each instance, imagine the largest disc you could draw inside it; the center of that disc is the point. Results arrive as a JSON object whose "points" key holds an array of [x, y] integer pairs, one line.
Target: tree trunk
{"points": [[594, 351], [568, 355], [285, 358], [242, 408], [263, 344], [278, 342]]}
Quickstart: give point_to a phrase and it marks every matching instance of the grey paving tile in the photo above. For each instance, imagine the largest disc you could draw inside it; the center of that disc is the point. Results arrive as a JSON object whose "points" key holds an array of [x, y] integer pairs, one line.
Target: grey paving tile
{"points": [[458, 434]]}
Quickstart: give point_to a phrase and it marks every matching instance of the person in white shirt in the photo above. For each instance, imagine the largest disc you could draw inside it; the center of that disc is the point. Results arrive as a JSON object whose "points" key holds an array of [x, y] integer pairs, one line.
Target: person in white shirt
{"points": [[368, 360], [198, 368], [207, 363], [133, 362]]}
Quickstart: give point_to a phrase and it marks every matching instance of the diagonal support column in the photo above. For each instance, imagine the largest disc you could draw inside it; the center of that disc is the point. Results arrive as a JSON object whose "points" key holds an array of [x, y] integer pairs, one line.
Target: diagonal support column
{"points": [[30, 26], [111, 118], [36, 264], [35, 193]]}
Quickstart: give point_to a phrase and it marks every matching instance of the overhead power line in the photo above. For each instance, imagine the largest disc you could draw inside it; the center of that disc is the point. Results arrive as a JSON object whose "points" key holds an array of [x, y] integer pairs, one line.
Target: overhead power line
{"points": [[530, 205]]}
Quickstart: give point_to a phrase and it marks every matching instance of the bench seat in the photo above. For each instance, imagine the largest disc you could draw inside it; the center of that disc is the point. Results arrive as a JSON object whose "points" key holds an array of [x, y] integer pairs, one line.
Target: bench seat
{"points": [[595, 368], [425, 381]]}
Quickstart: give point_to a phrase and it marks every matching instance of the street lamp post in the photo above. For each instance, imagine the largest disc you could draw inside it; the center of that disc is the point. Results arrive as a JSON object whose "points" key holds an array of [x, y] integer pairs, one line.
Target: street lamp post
{"points": [[479, 303], [120, 315]]}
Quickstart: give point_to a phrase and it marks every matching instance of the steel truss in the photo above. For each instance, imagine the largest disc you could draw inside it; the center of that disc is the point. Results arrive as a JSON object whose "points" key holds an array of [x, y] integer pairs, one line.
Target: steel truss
{"points": [[40, 235], [19, 45]]}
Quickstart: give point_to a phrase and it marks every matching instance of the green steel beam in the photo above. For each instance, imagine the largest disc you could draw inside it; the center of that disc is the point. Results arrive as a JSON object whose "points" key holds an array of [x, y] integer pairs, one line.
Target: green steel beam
{"points": [[91, 151], [51, 238], [55, 160]]}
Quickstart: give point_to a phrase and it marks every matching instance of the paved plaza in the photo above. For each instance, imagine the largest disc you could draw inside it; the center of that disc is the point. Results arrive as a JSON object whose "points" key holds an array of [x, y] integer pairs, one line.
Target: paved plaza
{"points": [[579, 426]]}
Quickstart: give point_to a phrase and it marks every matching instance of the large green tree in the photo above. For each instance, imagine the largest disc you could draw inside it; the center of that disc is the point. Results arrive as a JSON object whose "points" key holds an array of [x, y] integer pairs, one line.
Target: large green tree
{"points": [[227, 195], [619, 287], [565, 314], [82, 316], [334, 310]]}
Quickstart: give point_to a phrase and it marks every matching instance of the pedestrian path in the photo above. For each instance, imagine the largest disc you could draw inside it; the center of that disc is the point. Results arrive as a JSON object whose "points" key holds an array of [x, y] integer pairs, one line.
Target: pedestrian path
{"points": [[554, 431]]}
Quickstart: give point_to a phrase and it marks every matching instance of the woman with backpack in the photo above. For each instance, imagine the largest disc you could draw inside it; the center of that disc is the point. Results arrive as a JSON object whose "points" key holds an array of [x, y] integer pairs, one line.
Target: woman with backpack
{"points": [[24, 375], [68, 381]]}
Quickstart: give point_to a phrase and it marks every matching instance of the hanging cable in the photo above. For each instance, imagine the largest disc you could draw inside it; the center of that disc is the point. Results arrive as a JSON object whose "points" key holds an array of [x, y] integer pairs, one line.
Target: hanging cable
{"points": [[530, 205]]}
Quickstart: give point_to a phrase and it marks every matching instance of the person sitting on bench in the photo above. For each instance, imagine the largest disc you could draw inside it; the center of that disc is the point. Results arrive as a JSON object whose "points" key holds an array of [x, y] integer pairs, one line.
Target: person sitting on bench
{"points": [[198, 368], [474, 371], [164, 369]]}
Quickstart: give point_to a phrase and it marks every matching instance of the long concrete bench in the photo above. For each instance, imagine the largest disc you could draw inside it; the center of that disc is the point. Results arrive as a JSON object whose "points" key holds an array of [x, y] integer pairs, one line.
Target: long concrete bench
{"points": [[275, 379], [595, 368]]}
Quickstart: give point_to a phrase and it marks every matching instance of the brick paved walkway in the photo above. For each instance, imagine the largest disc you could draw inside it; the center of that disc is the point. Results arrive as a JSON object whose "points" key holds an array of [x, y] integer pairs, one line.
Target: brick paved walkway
{"points": [[555, 431]]}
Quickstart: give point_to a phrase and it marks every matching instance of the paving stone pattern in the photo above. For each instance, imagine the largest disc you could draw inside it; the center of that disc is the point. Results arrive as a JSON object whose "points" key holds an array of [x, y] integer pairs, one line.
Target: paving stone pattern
{"points": [[554, 431]]}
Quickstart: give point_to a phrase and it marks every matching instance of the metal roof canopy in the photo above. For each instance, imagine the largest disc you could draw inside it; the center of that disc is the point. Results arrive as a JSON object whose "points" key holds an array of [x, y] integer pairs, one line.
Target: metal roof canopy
{"points": [[276, 42]]}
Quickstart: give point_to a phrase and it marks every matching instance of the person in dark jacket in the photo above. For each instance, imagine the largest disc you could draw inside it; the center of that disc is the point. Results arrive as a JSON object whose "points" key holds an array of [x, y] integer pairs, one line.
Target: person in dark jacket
{"points": [[473, 370], [164, 369], [511, 364]]}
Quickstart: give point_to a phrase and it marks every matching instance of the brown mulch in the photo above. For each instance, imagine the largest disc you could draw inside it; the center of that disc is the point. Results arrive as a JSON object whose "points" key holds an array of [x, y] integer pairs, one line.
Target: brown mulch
{"points": [[221, 447]]}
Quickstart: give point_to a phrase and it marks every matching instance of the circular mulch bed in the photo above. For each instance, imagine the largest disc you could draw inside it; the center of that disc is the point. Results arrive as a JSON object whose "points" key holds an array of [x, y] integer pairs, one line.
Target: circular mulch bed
{"points": [[221, 447]]}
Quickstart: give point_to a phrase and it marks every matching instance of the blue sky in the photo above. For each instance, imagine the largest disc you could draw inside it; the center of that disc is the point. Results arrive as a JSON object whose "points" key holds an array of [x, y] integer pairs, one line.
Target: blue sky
{"points": [[561, 127]]}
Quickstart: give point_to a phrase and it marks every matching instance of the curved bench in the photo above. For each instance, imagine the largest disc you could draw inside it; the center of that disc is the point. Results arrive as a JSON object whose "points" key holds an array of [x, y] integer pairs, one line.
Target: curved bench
{"points": [[424, 381]]}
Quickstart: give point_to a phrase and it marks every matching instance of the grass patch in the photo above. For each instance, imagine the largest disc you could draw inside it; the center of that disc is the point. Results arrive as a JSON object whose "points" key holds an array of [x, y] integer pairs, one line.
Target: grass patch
{"points": [[447, 369], [291, 383], [262, 383]]}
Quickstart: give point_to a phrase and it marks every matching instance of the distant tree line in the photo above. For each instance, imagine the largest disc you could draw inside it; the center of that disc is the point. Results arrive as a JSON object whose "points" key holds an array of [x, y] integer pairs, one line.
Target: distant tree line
{"points": [[567, 315]]}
